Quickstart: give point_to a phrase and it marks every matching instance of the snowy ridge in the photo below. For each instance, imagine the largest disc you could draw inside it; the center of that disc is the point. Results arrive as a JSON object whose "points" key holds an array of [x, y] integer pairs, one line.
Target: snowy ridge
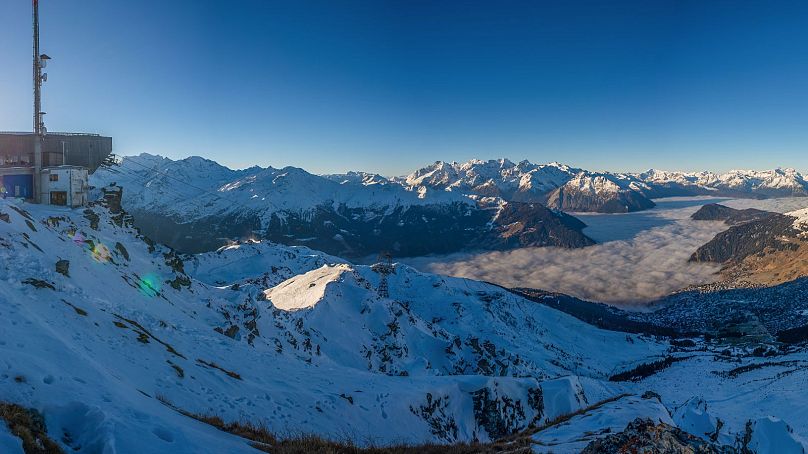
{"points": [[195, 205], [195, 188], [238, 263], [524, 180], [502, 178], [782, 182]]}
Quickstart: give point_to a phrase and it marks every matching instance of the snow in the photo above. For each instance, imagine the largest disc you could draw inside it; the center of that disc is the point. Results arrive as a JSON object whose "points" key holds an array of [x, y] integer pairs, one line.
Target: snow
{"points": [[515, 180], [771, 390], [97, 350], [313, 344], [563, 396], [693, 417], [9, 444], [238, 263], [572, 436], [774, 435], [306, 292], [801, 223]]}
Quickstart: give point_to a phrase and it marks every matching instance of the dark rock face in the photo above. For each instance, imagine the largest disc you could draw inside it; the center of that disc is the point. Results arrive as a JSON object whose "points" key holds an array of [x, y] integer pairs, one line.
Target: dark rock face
{"points": [[617, 202], [645, 436], [730, 216], [63, 267], [753, 237], [501, 416], [360, 232], [533, 224], [404, 231]]}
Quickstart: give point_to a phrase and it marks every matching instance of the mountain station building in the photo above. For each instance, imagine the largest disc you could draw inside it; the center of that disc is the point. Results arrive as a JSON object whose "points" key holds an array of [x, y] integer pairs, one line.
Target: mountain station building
{"points": [[67, 160]]}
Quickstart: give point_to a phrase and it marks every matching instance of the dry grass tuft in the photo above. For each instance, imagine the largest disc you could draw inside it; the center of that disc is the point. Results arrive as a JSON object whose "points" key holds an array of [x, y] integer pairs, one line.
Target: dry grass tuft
{"points": [[264, 440], [28, 426]]}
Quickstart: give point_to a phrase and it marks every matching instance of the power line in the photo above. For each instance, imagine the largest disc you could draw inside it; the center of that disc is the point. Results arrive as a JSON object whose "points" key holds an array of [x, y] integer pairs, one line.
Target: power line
{"points": [[133, 174]]}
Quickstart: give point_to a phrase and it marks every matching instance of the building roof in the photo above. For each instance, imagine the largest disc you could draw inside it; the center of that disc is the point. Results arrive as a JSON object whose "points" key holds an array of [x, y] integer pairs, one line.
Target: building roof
{"points": [[50, 133]]}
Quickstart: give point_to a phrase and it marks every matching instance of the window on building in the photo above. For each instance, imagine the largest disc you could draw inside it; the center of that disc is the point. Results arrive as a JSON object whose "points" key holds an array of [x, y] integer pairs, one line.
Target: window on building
{"points": [[54, 177]]}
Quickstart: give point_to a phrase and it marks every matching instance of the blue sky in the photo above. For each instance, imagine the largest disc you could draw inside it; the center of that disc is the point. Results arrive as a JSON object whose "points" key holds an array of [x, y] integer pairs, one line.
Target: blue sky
{"points": [[390, 86]]}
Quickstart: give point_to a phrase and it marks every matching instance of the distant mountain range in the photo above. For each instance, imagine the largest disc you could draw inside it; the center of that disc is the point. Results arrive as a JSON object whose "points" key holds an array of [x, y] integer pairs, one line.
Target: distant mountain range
{"points": [[571, 189], [197, 205]]}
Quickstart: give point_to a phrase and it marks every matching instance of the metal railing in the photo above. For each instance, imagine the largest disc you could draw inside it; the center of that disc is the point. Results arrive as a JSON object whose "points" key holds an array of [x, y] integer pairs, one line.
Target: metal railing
{"points": [[50, 133]]}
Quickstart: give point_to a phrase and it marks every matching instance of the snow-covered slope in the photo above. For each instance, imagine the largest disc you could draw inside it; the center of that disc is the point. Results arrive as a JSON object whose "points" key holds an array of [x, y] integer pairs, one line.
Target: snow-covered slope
{"points": [[97, 322], [238, 263], [100, 328]]}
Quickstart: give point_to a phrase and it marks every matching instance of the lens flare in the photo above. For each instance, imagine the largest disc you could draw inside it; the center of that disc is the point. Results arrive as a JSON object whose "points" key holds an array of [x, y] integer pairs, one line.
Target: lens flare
{"points": [[149, 285], [78, 238], [101, 253]]}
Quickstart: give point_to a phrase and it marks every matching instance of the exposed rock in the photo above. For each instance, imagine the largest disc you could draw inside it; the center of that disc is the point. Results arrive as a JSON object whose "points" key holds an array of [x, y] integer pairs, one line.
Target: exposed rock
{"points": [[63, 267], [500, 415], [643, 436], [39, 283]]}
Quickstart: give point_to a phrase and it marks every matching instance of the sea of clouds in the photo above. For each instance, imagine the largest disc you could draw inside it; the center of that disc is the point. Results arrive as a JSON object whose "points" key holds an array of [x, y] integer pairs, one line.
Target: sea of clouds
{"points": [[640, 256]]}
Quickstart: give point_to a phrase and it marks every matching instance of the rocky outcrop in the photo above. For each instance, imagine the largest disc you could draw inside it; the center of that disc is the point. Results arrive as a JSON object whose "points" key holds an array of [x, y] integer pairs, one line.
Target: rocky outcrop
{"points": [[598, 193], [730, 216], [645, 436], [533, 224]]}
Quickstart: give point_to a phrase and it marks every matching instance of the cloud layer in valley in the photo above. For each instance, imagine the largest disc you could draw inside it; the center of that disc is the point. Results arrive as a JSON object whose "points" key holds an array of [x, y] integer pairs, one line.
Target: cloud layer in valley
{"points": [[650, 264]]}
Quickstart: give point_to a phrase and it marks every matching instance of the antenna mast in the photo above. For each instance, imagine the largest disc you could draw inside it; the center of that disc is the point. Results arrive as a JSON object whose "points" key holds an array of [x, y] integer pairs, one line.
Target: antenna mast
{"points": [[40, 61], [37, 75]]}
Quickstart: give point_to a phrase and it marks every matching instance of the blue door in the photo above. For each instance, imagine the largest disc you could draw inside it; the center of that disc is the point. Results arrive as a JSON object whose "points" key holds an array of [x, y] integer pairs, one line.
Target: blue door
{"points": [[19, 185]]}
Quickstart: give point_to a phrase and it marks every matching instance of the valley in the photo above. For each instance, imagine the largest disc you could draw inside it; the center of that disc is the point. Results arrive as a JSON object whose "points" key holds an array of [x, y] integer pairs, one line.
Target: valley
{"points": [[259, 331], [266, 227]]}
